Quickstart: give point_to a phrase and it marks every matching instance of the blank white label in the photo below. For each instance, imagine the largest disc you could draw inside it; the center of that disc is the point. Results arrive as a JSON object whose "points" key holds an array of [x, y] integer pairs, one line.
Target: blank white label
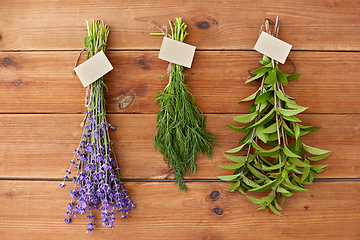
{"points": [[177, 52], [93, 69], [272, 47]]}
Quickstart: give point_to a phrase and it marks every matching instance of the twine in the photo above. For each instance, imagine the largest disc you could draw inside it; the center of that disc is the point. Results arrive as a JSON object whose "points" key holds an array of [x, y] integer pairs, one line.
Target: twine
{"points": [[89, 88], [82, 124], [162, 29], [169, 68], [267, 22], [88, 95], [88, 50]]}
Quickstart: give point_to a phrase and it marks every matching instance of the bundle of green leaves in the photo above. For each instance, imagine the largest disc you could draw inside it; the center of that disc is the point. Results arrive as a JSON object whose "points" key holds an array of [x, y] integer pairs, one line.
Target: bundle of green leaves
{"points": [[276, 160], [181, 131]]}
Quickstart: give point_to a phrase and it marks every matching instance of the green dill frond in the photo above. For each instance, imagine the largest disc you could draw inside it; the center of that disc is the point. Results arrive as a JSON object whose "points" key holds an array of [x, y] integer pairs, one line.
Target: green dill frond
{"points": [[181, 131]]}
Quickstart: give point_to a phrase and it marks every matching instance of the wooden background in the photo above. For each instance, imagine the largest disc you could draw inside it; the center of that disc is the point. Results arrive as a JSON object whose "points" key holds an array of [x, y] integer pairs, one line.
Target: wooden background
{"points": [[42, 105]]}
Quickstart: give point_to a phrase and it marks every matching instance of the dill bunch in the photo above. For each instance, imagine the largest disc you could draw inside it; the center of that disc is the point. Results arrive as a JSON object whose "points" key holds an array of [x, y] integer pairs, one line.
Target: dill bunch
{"points": [[181, 131]]}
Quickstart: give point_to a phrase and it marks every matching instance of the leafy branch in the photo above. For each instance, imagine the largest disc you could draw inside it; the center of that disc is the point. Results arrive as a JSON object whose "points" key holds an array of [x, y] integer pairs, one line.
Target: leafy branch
{"points": [[280, 168], [181, 131]]}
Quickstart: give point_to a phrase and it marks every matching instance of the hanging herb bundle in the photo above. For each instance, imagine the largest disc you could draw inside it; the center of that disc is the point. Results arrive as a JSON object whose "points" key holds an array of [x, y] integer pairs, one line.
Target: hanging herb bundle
{"points": [[286, 164], [97, 180], [181, 131]]}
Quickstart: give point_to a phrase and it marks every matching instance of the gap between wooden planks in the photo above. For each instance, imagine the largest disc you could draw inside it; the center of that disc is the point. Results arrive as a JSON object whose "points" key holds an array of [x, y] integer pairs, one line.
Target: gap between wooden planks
{"points": [[42, 82], [41, 145], [207, 211], [231, 24]]}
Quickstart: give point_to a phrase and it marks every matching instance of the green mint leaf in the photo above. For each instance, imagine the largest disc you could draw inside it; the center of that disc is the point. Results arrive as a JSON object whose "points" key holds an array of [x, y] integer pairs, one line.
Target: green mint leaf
{"points": [[229, 177], [281, 77], [238, 159], [264, 187], [315, 151], [237, 129], [249, 98], [255, 77], [288, 130], [299, 163], [246, 117], [273, 167], [256, 173], [288, 112], [255, 200], [293, 187], [262, 70], [320, 157], [296, 131], [271, 78], [293, 105], [273, 209], [270, 129], [306, 171], [264, 97], [282, 96], [318, 168], [289, 153], [234, 187], [262, 136], [249, 182], [265, 60], [293, 77], [277, 206], [291, 118], [273, 137], [266, 153], [239, 148], [264, 119], [307, 129], [232, 166]]}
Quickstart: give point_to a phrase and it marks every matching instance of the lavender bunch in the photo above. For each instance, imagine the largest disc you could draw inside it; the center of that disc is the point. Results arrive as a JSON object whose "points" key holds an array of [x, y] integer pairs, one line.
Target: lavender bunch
{"points": [[97, 181]]}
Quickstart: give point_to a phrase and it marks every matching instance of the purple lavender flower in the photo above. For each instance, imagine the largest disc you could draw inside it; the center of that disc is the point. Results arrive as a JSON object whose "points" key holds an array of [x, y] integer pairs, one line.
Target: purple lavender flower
{"points": [[97, 181]]}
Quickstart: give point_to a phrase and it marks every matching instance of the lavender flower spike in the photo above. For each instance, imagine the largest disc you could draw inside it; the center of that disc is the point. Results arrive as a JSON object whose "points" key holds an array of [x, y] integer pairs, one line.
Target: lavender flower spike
{"points": [[97, 182]]}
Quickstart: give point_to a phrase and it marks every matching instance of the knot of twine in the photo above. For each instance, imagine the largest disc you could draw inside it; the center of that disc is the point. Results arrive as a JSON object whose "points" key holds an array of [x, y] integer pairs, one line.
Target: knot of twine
{"points": [[164, 30], [89, 88], [267, 23]]}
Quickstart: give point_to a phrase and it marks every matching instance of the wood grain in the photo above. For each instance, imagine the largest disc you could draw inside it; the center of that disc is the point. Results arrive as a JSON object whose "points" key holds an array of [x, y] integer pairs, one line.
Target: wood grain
{"points": [[42, 105], [330, 210], [54, 25], [41, 145], [41, 82]]}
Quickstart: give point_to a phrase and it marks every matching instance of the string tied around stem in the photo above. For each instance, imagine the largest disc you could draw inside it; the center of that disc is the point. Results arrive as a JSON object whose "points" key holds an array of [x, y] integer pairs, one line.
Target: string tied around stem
{"points": [[163, 31], [89, 88], [275, 32]]}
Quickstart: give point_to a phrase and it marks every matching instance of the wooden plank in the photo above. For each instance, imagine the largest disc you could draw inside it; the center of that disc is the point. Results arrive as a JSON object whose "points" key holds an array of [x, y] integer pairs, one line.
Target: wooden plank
{"points": [[309, 25], [330, 210], [41, 145], [41, 82], [42, 106]]}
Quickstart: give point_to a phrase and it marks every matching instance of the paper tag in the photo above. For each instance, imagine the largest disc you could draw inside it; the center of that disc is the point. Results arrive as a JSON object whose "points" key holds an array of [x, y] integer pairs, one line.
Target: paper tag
{"points": [[177, 52], [272, 47], [93, 69]]}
